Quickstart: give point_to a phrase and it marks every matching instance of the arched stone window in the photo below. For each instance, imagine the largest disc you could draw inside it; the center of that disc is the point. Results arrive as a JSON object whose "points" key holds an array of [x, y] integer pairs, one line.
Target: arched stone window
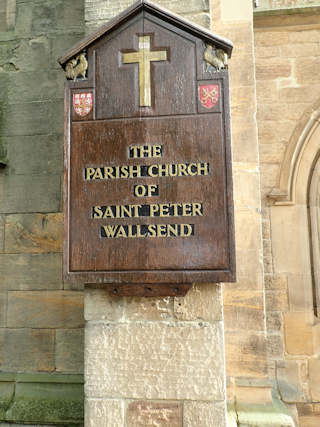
{"points": [[314, 219]]}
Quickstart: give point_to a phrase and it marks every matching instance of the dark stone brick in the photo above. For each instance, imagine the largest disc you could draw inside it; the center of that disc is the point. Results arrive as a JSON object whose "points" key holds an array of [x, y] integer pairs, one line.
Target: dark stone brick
{"points": [[34, 233], [1, 233], [33, 118], [3, 308], [31, 271], [69, 350], [35, 86], [45, 309], [27, 349], [49, 403], [60, 44], [21, 154], [30, 193]]}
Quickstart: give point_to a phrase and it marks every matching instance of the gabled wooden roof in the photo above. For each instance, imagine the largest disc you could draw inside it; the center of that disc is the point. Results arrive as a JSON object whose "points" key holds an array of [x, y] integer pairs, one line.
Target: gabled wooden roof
{"points": [[144, 5]]}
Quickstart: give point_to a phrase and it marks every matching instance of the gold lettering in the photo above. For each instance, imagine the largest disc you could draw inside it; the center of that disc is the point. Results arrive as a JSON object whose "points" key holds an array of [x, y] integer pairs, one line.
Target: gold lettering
{"points": [[182, 169], [121, 232], [153, 209], [134, 171], [89, 173], [196, 209], [164, 210], [203, 167], [108, 172], [151, 173], [190, 172], [186, 230], [186, 209], [97, 212], [161, 230], [173, 230], [108, 213], [98, 174], [152, 231], [110, 230], [157, 151]]}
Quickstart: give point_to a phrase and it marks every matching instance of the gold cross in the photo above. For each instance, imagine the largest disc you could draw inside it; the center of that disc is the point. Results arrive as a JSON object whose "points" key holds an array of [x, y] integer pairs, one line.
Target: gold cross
{"points": [[144, 57]]}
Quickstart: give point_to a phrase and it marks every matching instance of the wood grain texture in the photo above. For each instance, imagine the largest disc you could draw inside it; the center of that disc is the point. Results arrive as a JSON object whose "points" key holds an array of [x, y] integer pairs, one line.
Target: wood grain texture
{"points": [[188, 132]]}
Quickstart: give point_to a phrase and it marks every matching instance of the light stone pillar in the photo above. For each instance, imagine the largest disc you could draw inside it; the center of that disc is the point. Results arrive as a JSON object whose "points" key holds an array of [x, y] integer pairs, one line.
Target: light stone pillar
{"points": [[155, 361]]}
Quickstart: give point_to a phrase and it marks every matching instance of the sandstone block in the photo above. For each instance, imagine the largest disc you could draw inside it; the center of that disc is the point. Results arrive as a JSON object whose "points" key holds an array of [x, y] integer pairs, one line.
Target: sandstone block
{"points": [[290, 239], [34, 233], [32, 54], [243, 309], [149, 308], [45, 309], [59, 43], [30, 193], [304, 36], [181, 361], [271, 38], [274, 131], [289, 381], [104, 413], [30, 271], [276, 282], [204, 414], [277, 300], [148, 413], [267, 51], [314, 379], [246, 186], [49, 158], [274, 321], [304, 70], [298, 333], [99, 305], [202, 302], [300, 292], [246, 354], [267, 91], [275, 346], [249, 220], [271, 153], [69, 350], [272, 68], [243, 101], [244, 148], [26, 350], [296, 50], [249, 269]]}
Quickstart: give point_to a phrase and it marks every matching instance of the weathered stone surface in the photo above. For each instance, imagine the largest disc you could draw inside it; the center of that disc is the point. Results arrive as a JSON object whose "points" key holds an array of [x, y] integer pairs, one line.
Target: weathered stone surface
{"points": [[69, 350], [3, 308], [180, 361], [27, 349], [45, 309], [33, 118], [300, 292], [277, 282], [1, 233], [104, 413], [272, 68], [298, 333], [6, 394], [34, 233], [202, 302], [243, 309], [289, 381], [149, 308], [277, 300], [274, 321], [204, 414], [21, 149], [30, 193], [35, 86], [148, 413], [246, 354], [314, 378], [51, 403], [30, 271], [99, 305], [275, 346]]}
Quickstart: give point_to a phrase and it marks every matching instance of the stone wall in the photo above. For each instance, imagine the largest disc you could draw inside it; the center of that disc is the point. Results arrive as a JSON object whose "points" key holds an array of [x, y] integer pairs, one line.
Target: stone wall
{"points": [[41, 319], [287, 57]]}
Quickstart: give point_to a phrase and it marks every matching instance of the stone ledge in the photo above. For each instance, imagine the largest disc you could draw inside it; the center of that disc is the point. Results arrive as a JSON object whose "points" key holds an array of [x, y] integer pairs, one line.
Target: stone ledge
{"points": [[273, 415], [41, 399], [287, 11]]}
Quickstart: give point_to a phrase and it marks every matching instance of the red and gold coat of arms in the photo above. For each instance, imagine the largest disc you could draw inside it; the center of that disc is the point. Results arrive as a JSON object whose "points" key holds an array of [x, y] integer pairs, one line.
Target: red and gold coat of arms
{"points": [[208, 95], [82, 103]]}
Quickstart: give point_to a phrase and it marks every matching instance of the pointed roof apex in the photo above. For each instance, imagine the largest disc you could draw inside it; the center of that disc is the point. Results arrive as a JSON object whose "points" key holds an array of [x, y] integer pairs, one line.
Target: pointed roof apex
{"points": [[144, 5]]}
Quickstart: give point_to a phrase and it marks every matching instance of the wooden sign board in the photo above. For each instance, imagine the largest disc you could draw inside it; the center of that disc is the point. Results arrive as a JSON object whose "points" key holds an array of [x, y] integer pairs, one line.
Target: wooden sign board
{"points": [[148, 179]]}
